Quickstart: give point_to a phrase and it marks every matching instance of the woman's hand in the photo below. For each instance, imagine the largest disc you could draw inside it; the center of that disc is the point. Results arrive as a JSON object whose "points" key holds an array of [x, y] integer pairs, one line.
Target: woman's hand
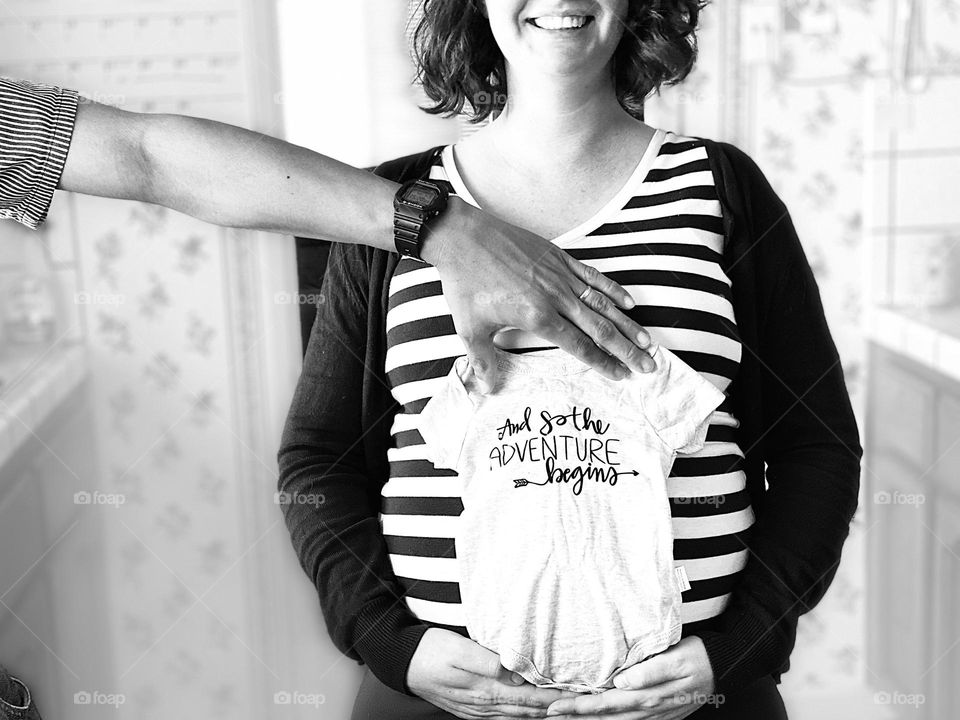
{"points": [[464, 678], [667, 686], [497, 276]]}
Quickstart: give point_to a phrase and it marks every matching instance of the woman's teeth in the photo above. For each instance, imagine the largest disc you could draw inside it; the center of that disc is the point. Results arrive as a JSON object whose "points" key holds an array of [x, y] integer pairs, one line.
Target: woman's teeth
{"points": [[567, 22]]}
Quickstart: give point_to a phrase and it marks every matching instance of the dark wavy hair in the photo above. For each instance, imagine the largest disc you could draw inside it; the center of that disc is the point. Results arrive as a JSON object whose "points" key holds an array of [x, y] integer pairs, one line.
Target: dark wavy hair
{"points": [[459, 61]]}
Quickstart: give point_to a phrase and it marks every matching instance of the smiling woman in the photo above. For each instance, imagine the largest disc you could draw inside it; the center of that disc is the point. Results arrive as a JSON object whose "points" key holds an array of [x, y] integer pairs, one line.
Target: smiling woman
{"points": [[693, 231]]}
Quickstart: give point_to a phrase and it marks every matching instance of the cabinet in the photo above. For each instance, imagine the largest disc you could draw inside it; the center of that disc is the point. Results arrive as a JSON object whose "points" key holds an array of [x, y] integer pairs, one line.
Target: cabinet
{"points": [[945, 673], [54, 632], [912, 456]]}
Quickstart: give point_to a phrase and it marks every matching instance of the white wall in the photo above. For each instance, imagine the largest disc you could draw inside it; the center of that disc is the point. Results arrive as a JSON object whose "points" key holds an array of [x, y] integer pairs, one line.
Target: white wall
{"points": [[347, 81]]}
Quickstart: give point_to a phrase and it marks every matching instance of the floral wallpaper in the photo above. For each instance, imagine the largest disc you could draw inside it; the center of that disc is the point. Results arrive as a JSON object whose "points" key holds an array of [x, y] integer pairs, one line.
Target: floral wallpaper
{"points": [[806, 132], [165, 311], [161, 392]]}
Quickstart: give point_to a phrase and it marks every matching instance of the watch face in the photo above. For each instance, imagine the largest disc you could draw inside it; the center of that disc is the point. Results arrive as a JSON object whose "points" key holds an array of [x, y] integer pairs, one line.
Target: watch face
{"points": [[420, 195]]}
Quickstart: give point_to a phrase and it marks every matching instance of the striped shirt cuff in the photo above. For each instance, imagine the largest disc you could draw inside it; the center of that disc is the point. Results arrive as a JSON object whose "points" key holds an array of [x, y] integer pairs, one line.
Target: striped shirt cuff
{"points": [[36, 127]]}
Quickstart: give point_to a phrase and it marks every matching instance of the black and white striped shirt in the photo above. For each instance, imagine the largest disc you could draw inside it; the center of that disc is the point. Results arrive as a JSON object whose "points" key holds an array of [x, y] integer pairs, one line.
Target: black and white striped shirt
{"points": [[661, 237], [36, 126]]}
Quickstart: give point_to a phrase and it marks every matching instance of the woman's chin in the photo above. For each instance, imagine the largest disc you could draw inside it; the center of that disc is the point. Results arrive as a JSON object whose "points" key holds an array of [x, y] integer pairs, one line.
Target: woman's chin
{"points": [[562, 67], [564, 51]]}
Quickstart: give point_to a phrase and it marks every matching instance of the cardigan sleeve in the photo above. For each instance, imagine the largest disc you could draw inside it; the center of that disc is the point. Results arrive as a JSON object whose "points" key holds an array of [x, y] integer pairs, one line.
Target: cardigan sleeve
{"points": [[810, 443], [328, 497]]}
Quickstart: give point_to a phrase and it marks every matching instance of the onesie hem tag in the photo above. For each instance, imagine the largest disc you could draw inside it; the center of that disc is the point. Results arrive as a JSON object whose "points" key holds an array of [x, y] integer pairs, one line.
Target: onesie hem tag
{"points": [[682, 580]]}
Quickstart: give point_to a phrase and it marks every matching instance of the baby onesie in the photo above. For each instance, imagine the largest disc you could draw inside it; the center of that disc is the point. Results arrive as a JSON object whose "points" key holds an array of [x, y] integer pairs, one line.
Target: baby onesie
{"points": [[565, 540]]}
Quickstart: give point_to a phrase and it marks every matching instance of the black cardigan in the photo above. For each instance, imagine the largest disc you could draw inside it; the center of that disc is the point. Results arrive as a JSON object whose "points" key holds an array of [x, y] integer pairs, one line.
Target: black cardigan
{"points": [[789, 395]]}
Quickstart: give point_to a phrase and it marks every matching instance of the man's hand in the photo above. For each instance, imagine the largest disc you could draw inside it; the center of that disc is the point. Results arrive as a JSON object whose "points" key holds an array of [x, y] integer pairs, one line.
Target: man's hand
{"points": [[464, 678], [667, 686], [497, 276]]}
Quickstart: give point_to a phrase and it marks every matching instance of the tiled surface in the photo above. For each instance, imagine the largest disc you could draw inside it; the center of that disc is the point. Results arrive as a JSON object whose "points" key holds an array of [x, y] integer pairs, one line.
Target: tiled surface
{"points": [[926, 185], [919, 118]]}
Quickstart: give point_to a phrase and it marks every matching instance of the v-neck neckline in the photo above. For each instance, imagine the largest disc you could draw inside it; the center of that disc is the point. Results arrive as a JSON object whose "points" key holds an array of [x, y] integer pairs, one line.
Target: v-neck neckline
{"points": [[615, 204]]}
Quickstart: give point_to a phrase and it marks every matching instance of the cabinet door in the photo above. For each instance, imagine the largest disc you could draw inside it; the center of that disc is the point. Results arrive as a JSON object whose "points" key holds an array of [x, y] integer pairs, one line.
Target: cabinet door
{"points": [[947, 453], [898, 544], [26, 635], [944, 698], [21, 530], [901, 410]]}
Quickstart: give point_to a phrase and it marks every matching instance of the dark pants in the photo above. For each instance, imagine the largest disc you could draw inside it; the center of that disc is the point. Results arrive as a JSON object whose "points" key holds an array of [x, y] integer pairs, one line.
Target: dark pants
{"points": [[375, 701]]}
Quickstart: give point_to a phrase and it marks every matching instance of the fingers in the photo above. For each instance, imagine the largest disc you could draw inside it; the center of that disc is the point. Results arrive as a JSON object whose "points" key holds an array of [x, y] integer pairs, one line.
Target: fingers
{"points": [[676, 713], [478, 660], [482, 360], [484, 681], [489, 683], [616, 333], [622, 339], [500, 697], [653, 671], [606, 702], [567, 336], [473, 690], [598, 281], [655, 701]]}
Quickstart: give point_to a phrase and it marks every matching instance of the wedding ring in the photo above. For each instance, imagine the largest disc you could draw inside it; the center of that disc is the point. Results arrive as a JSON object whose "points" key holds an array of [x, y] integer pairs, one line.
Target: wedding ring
{"points": [[583, 295]]}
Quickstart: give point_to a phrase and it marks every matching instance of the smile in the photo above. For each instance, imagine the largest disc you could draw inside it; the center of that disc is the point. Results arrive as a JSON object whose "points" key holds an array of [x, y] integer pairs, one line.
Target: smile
{"points": [[565, 22]]}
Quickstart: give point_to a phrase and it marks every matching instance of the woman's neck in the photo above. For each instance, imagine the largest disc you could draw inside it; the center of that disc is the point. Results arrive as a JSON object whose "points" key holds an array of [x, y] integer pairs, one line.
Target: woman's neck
{"points": [[561, 120]]}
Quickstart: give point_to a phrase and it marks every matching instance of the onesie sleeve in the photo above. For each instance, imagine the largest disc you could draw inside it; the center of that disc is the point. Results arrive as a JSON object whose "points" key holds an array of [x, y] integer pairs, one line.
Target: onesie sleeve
{"points": [[676, 400], [444, 419]]}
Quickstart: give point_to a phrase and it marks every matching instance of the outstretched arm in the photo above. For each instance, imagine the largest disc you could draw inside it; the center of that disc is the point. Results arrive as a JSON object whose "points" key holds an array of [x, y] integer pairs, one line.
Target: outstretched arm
{"points": [[235, 177]]}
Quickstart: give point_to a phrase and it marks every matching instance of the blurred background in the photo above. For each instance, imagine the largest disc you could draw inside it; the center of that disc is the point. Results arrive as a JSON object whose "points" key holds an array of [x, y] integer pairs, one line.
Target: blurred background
{"points": [[147, 359]]}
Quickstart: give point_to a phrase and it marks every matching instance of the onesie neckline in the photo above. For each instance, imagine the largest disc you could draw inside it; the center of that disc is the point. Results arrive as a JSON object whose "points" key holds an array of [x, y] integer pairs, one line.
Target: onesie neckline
{"points": [[551, 362], [547, 363]]}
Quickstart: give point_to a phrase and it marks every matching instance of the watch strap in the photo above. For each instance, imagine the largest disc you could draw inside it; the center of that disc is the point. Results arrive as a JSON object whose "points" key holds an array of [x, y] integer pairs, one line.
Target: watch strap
{"points": [[409, 220]]}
